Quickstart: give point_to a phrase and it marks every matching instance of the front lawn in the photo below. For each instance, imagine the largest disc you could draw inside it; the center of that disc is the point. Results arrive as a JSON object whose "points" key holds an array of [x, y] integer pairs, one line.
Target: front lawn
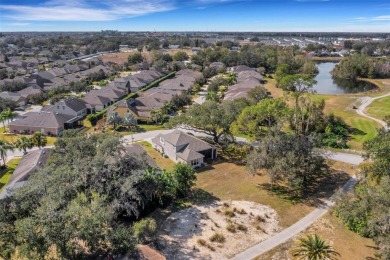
{"points": [[5, 174]]}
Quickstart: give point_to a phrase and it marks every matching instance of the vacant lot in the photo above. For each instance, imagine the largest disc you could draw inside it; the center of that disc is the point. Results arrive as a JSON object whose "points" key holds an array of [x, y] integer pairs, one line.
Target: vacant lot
{"points": [[348, 244], [6, 173], [216, 230], [227, 181], [379, 108]]}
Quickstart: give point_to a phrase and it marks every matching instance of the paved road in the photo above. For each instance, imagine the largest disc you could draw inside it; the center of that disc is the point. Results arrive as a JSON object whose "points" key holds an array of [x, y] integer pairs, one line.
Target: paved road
{"points": [[366, 101]]}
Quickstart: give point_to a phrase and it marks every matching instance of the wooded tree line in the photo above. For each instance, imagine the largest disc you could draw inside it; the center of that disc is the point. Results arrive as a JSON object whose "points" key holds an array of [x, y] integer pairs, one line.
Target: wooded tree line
{"points": [[84, 201], [366, 209], [358, 65]]}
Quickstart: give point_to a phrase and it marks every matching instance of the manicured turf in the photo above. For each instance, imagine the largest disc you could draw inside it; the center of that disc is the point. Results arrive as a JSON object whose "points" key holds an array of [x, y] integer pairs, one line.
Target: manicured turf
{"points": [[6, 173], [379, 108]]}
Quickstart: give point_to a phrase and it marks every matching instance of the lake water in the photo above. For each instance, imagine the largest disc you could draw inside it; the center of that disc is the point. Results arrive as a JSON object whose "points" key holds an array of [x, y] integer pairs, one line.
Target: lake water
{"points": [[326, 84]]}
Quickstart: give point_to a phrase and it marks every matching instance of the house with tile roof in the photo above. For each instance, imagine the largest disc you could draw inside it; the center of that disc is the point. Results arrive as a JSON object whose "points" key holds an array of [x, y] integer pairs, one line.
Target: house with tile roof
{"points": [[184, 148]]}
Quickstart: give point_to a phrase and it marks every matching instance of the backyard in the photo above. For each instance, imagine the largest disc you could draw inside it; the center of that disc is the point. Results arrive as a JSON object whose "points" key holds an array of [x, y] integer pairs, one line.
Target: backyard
{"points": [[5, 174]]}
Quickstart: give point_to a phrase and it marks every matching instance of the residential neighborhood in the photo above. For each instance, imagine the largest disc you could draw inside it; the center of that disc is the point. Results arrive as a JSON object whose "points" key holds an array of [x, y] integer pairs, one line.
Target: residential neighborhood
{"points": [[144, 143]]}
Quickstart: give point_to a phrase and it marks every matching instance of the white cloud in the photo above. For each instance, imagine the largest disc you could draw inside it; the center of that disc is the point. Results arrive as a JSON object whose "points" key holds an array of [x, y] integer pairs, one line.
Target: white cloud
{"points": [[373, 19], [84, 10], [18, 24]]}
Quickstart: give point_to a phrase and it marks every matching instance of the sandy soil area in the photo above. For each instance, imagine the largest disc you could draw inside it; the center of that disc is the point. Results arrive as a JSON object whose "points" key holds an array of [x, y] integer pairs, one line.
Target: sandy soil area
{"points": [[216, 231]]}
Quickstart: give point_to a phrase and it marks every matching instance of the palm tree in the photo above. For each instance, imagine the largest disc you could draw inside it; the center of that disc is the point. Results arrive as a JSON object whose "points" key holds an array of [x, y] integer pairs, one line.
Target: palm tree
{"points": [[212, 95], [166, 108], [155, 116], [232, 79], [313, 248], [38, 139], [8, 114], [4, 148], [23, 144], [2, 120]]}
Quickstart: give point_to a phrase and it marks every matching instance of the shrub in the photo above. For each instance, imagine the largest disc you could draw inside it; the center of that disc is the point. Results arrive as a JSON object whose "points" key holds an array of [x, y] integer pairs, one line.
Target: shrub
{"points": [[229, 213], [242, 227], [242, 212], [225, 204], [219, 238], [210, 247], [260, 219], [145, 229], [202, 242], [231, 228]]}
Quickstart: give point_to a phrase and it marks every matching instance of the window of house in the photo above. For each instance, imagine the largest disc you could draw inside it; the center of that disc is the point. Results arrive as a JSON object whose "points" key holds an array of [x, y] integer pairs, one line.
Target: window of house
{"points": [[63, 107], [194, 162], [58, 107]]}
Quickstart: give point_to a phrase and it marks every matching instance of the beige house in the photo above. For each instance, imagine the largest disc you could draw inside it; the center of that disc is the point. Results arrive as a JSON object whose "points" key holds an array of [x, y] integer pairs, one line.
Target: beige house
{"points": [[184, 148]]}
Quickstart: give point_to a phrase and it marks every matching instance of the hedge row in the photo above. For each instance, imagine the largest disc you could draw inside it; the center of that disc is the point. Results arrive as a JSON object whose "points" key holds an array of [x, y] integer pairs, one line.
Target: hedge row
{"points": [[94, 118]]}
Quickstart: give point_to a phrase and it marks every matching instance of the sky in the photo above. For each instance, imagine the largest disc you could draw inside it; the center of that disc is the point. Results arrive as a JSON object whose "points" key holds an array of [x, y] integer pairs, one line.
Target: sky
{"points": [[196, 15]]}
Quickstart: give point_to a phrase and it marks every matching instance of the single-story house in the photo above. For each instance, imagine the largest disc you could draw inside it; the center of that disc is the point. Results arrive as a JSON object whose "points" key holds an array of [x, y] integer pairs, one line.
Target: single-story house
{"points": [[46, 122], [184, 148], [30, 163]]}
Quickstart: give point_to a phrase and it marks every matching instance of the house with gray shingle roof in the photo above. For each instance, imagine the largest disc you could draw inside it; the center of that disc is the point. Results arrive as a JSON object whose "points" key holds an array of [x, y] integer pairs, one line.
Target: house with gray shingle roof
{"points": [[30, 163], [16, 97], [47, 122], [184, 148]]}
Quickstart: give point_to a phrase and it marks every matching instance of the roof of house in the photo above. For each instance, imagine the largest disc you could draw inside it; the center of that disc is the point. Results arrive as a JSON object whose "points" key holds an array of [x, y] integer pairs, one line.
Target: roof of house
{"points": [[12, 96], [30, 163], [96, 100], [75, 104], [45, 119], [192, 145], [241, 68], [29, 91]]}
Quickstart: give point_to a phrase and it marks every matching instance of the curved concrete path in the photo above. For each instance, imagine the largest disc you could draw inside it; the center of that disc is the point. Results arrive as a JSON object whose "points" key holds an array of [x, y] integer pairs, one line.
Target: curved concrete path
{"points": [[366, 101], [302, 224]]}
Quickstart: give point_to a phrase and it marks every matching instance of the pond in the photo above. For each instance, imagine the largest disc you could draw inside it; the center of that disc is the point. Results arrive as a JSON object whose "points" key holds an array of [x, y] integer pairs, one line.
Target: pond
{"points": [[326, 84]]}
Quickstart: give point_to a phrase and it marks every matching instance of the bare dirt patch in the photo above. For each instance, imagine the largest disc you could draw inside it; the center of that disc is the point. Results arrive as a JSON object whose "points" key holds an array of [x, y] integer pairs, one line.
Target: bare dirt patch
{"points": [[217, 230]]}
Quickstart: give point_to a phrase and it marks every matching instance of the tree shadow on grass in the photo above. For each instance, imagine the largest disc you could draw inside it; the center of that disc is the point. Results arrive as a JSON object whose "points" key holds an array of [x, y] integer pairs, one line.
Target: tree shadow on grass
{"points": [[355, 131], [315, 194]]}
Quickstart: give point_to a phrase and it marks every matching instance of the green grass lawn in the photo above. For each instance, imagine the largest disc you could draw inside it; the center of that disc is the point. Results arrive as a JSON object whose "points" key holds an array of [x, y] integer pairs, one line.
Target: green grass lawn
{"points": [[6, 173], [143, 128], [379, 108], [12, 138], [163, 163], [341, 105]]}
